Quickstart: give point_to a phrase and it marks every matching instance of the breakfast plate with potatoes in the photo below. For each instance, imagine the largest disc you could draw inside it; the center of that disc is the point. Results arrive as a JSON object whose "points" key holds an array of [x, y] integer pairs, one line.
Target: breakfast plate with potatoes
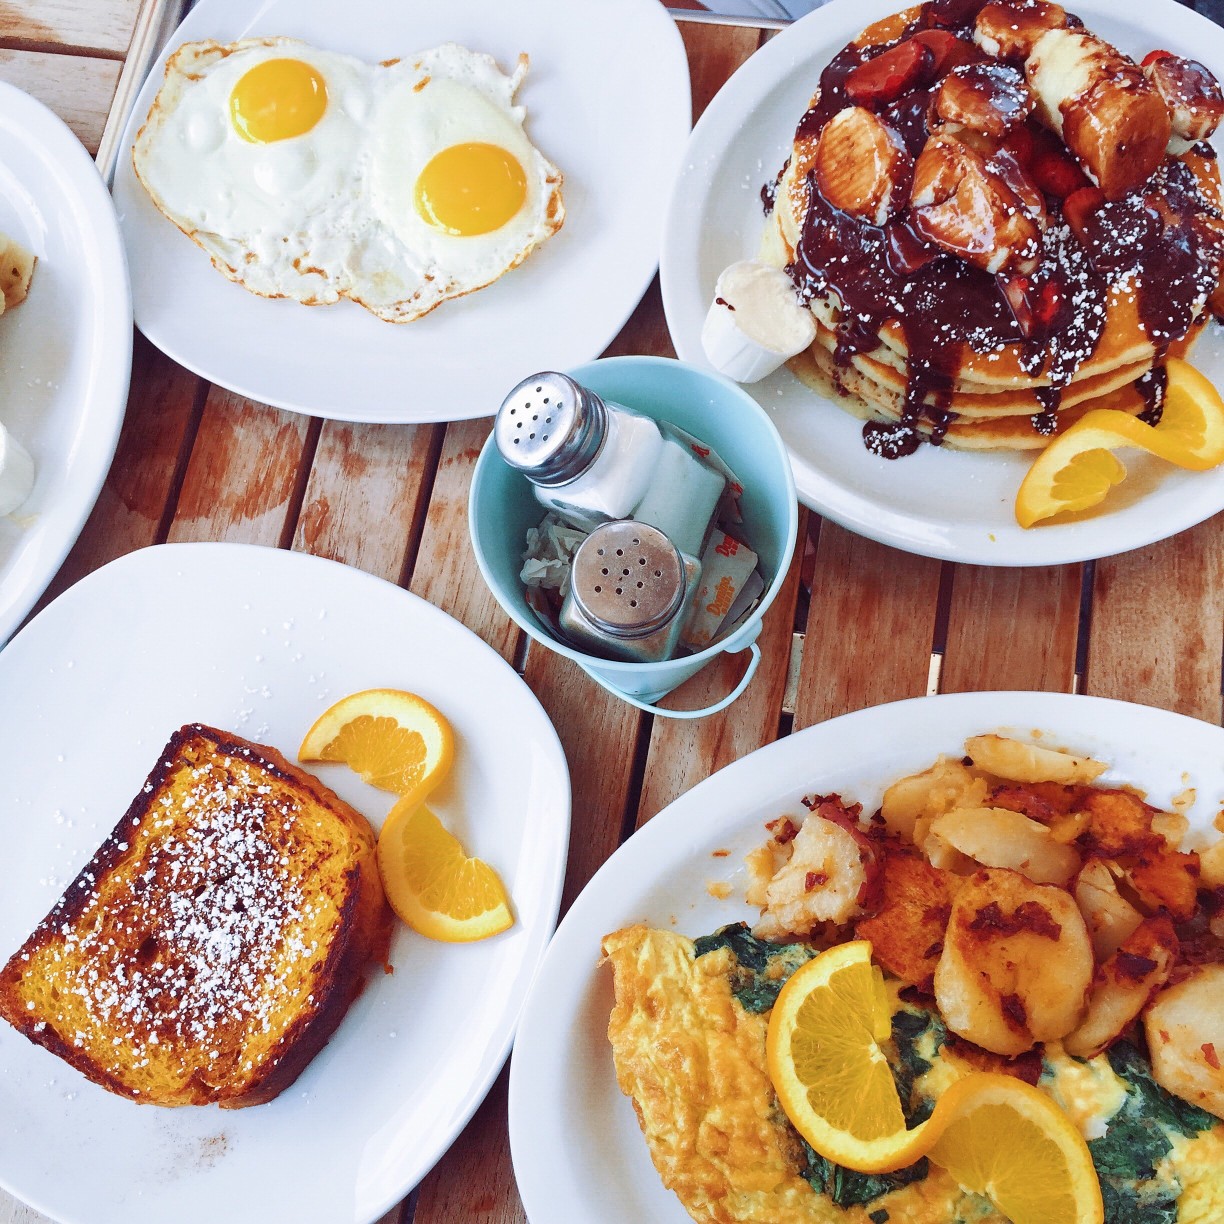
{"points": [[997, 916], [969, 255], [391, 214], [65, 346]]}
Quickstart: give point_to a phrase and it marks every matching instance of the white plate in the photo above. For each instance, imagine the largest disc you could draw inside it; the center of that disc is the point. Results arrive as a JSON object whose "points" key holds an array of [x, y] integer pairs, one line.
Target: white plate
{"points": [[66, 351], [578, 1153], [607, 101], [940, 503], [260, 642]]}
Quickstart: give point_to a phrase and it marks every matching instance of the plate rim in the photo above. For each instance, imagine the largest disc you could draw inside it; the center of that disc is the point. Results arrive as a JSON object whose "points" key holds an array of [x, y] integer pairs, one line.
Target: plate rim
{"points": [[663, 34], [704, 808], [53, 141], [463, 1105], [1054, 544]]}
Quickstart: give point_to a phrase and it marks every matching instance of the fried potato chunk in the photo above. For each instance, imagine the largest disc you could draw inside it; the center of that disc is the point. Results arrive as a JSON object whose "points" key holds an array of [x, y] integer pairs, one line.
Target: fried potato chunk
{"points": [[1019, 762], [1119, 822], [821, 882], [996, 837], [907, 931], [1123, 985], [1165, 879], [1016, 964], [946, 785], [1111, 918], [16, 269], [1185, 1034]]}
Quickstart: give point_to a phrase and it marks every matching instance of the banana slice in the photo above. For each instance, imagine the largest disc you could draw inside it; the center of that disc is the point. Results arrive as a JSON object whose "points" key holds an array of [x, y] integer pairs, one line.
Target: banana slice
{"points": [[755, 322], [1009, 30], [16, 472], [1102, 105], [862, 165]]}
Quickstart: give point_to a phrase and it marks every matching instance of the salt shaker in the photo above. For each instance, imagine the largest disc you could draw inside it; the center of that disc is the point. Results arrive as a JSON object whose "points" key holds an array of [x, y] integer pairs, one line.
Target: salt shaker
{"points": [[630, 593], [593, 461]]}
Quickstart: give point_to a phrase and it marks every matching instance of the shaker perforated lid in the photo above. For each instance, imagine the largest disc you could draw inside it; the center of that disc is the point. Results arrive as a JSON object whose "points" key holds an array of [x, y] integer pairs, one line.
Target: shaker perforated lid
{"points": [[550, 428], [627, 578]]}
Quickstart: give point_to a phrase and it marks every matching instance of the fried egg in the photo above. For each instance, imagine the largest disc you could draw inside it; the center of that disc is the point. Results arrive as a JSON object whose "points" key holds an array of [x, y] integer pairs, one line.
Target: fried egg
{"points": [[312, 175]]}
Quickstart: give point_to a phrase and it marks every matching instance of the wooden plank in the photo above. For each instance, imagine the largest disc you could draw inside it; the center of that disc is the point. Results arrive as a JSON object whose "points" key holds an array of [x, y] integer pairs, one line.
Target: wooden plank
{"points": [[445, 571], [365, 498], [156, 435], [870, 626], [1158, 623], [1012, 629], [714, 53], [474, 1181], [78, 89], [242, 474], [683, 753], [100, 26]]}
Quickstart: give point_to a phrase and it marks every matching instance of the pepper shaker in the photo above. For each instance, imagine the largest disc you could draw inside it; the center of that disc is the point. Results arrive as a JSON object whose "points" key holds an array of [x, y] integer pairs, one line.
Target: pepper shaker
{"points": [[630, 593]]}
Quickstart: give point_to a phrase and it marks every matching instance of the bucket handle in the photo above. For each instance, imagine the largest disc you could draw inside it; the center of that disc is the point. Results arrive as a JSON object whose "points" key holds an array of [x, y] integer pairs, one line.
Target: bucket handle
{"points": [[702, 713]]}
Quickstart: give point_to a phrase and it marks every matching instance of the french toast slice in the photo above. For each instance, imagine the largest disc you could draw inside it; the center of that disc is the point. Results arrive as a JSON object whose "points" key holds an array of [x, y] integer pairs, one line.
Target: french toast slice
{"points": [[214, 942]]}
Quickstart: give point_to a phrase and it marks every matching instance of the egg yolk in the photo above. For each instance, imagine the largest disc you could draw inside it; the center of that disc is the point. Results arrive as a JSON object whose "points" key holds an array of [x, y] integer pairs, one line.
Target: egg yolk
{"points": [[277, 99], [470, 189]]}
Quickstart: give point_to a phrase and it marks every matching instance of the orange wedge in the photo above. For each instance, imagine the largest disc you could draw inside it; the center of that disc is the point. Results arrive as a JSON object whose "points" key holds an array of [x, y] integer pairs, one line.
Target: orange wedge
{"points": [[433, 885], [395, 740], [1077, 470], [828, 1070], [1003, 1138]]}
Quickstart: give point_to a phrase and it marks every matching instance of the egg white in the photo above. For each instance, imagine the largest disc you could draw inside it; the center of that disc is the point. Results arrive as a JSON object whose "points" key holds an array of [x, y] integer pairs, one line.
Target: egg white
{"points": [[330, 214]]}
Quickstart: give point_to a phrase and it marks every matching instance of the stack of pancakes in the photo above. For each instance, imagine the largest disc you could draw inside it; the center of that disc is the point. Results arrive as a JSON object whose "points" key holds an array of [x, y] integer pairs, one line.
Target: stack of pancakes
{"points": [[996, 399]]}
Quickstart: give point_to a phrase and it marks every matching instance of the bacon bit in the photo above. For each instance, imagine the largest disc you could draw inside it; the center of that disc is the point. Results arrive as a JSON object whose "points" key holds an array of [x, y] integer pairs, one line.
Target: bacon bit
{"points": [[1164, 1036], [1026, 1066], [1132, 966], [941, 914], [720, 853], [783, 829], [934, 950], [1209, 1053], [1013, 1009], [813, 879], [1027, 916]]}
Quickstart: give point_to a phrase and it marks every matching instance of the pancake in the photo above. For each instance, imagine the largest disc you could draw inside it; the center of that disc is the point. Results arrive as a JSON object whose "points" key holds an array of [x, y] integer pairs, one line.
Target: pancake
{"points": [[946, 348]]}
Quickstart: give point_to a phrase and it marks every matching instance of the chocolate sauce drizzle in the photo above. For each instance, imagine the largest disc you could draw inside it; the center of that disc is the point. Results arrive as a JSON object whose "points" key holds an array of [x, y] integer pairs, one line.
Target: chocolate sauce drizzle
{"points": [[1159, 242]]}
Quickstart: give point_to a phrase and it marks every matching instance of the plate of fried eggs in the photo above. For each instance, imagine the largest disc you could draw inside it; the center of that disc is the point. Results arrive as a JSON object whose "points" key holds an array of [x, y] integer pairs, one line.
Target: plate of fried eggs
{"points": [[394, 213]]}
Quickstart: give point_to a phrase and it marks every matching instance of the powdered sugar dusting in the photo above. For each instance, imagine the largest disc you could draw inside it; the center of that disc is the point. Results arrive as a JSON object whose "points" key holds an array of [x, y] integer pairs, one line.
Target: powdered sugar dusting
{"points": [[196, 937]]}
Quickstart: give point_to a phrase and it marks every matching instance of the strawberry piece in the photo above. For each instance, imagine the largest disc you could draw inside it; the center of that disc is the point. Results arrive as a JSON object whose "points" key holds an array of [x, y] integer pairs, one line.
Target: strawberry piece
{"points": [[949, 51], [1054, 170], [1049, 303], [1016, 289], [890, 74], [1023, 145], [1079, 206], [1152, 56], [1035, 307]]}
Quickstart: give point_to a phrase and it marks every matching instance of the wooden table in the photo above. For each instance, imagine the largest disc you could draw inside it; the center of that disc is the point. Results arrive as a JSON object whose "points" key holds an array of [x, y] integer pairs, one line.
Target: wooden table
{"points": [[856, 623]]}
